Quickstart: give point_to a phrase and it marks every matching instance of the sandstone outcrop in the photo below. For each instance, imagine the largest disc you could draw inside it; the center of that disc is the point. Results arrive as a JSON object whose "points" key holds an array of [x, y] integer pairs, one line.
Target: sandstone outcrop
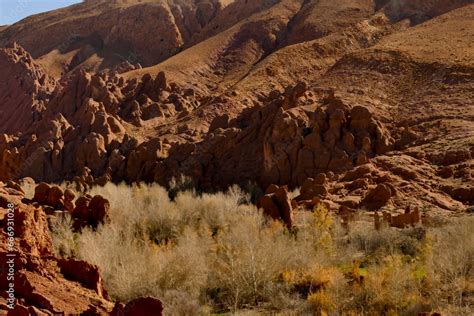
{"points": [[234, 102], [86, 274], [25, 89], [383, 185], [277, 205], [49, 195], [90, 211], [312, 188], [69, 200], [85, 210], [377, 197], [43, 283], [146, 306]]}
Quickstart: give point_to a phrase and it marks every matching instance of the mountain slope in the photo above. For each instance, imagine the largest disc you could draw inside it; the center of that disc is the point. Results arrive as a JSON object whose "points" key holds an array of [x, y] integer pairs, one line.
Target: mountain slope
{"points": [[246, 91]]}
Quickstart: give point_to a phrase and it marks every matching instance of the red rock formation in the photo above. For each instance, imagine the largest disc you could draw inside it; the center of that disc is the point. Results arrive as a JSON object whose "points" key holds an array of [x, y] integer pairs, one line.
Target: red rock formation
{"points": [[238, 104], [86, 274], [55, 197], [69, 200], [86, 210], [276, 204], [377, 197], [41, 193], [90, 211], [146, 306], [99, 207], [313, 188], [41, 286], [25, 90]]}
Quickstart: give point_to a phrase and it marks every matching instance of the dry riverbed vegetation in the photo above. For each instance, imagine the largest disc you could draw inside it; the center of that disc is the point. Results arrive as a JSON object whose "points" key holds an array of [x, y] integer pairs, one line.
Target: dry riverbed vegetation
{"points": [[216, 254]]}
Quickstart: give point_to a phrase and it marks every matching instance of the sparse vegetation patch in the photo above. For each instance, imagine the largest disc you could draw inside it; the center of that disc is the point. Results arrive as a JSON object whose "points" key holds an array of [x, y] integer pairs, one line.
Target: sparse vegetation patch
{"points": [[214, 253]]}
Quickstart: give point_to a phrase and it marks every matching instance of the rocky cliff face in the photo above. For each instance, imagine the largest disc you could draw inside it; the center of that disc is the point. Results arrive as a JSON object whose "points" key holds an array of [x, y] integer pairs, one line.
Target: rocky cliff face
{"points": [[35, 281], [43, 284], [241, 91], [25, 90]]}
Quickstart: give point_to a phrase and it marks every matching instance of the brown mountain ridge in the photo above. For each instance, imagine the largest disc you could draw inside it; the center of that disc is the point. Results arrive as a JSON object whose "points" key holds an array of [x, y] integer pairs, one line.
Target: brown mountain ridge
{"points": [[242, 91]]}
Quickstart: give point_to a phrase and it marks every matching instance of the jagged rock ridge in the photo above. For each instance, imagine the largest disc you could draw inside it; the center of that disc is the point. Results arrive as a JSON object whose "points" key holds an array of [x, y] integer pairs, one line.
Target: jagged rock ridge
{"points": [[276, 94]]}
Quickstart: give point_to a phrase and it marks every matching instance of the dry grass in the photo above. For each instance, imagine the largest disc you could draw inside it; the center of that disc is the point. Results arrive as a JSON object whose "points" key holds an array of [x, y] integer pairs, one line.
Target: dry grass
{"points": [[450, 259], [215, 253]]}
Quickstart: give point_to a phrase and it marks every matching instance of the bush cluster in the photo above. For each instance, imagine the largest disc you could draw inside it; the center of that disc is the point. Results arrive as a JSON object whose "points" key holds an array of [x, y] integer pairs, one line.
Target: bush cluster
{"points": [[216, 253]]}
